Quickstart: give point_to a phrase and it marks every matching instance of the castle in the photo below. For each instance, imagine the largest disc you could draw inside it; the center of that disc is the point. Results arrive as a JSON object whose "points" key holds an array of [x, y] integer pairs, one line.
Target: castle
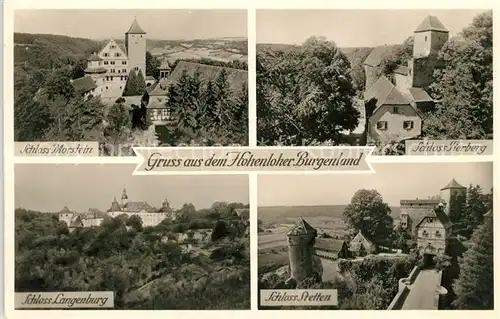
{"points": [[394, 109], [428, 219], [149, 215]]}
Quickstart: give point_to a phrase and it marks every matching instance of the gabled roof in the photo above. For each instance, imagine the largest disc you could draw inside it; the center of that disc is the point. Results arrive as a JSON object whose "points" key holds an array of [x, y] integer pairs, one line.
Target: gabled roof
{"points": [[420, 95], [137, 207], [76, 222], [440, 215], [384, 92], [377, 54], [135, 28], [159, 89], [302, 228], [360, 235], [431, 23], [84, 84], [94, 213], [331, 245], [453, 184]]}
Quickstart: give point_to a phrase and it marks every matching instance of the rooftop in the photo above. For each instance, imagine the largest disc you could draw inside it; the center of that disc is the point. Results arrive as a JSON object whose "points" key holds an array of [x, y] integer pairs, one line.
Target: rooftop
{"points": [[431, 23], [135, 28], [302, 228], [453, 185]]}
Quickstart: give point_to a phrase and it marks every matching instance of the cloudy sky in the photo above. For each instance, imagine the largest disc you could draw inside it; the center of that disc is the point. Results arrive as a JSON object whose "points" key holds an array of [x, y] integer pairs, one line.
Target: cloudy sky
{"points": [[352, 28], [159, 24], [393, 181], [48, 187]]}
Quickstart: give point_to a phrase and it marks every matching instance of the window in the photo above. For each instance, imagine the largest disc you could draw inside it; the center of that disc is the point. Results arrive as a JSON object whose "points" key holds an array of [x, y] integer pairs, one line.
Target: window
{"points": [[136, 68], [111, 78], [382, 125], [113, 62], [107, 78], [113, 46], [425, 233], [117, 54], [425, 39], [106, 54], [395, 110], [106, 87], [438, 234], [124, 62], [121, 78], [106, 62], [124, 70], [408, 125]]}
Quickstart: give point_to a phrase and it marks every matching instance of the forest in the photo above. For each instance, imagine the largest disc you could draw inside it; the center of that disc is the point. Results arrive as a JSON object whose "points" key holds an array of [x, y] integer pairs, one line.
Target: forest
{"points": [[371, 283], [47, 107], [309, 94], [145, 267]]}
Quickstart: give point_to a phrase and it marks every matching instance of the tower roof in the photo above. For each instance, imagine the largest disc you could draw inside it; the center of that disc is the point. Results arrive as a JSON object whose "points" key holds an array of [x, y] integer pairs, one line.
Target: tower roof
{"points": [[431, 23], [164, 65], [94, 57], [452, 185], [302, 228], [115, 207], [135, 28], [165, 202]]}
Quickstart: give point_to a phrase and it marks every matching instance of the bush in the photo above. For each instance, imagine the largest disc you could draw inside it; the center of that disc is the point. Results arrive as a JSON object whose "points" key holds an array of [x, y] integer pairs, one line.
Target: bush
{"points": [[220, 230]]}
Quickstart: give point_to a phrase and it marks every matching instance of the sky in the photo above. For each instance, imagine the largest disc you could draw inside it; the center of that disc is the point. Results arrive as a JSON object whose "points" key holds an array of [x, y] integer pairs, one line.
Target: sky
{"points": [[159, 24], [393, 181], [352, 28], [48, 187]]}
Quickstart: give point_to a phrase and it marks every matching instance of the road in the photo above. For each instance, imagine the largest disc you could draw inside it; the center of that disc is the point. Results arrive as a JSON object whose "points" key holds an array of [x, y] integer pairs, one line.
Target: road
{"points": [[423, 292]]}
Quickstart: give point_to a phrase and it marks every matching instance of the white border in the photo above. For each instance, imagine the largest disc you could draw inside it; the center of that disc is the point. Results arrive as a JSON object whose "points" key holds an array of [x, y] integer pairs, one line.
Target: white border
{"points": [[10, 5]]}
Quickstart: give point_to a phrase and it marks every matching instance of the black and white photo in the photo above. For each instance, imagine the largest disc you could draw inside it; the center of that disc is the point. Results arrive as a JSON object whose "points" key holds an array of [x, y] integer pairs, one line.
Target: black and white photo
{"points": [[373, 77], [410, 236], [127, 78], [155, 242]]}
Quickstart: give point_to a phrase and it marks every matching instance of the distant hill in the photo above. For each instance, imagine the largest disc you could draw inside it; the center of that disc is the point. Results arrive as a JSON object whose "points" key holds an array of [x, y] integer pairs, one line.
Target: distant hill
{"points": [[281, 213]]}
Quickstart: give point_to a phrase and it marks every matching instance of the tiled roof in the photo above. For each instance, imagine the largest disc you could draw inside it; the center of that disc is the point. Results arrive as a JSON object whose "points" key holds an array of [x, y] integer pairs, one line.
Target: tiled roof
{"points": [[440, 215], [235, 77], [431, 23], [420, 95], [377, 54], [362, 236], [420, 201], [84, 84], [302, 228], [401, 69], [135, 28], [160, 89], [115, 207], [94, 57], [94, 213], [384, 92], [452, 184]]}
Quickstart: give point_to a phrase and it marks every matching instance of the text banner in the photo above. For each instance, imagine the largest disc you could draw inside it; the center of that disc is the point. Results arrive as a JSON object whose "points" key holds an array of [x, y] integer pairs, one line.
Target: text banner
{"points": [[56, 149], [67, 299], [267, 159], [449, 147], [298, 297]]}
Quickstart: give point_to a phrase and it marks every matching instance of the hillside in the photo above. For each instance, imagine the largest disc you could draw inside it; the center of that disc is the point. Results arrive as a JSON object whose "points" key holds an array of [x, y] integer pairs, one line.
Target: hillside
{"points": [[281, 213]]}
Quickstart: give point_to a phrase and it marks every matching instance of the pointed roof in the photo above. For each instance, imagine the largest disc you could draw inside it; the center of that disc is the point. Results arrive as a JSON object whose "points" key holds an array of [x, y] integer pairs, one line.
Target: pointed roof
{"points": [[65, 210], [362, 236], [165, 202], [431, 23], [377, 54], [94, 57], [135, 28], [453, 185], [302, 228], [115, 207], [440, 215], [384, 92]]}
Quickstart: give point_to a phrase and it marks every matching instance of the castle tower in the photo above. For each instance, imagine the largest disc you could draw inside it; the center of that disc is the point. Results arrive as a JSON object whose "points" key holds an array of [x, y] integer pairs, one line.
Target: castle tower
{"points": [[124, 197], [135, 43], [454, 196], [428, 39], [164, 69], [301, 239]]}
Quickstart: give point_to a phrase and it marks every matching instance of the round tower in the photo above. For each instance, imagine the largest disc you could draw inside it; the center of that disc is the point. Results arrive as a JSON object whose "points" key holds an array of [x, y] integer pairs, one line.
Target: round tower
{"points": [[454, 196], [301, 239]]}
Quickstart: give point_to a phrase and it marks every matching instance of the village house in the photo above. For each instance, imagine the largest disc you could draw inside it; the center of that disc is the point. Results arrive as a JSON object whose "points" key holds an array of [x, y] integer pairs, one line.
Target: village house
{"points": [[394, 109], [360, 240], [433, 232]]}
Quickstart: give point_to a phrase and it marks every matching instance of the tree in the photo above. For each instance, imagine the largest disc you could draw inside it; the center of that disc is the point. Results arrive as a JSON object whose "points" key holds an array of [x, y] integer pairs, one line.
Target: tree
{"points": [[136, 84], [344, 251], [118, 125], [220, 230], [399, 55], [474, 286], [472, 213], [464, 85], [152, 65], [368, 213]]}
